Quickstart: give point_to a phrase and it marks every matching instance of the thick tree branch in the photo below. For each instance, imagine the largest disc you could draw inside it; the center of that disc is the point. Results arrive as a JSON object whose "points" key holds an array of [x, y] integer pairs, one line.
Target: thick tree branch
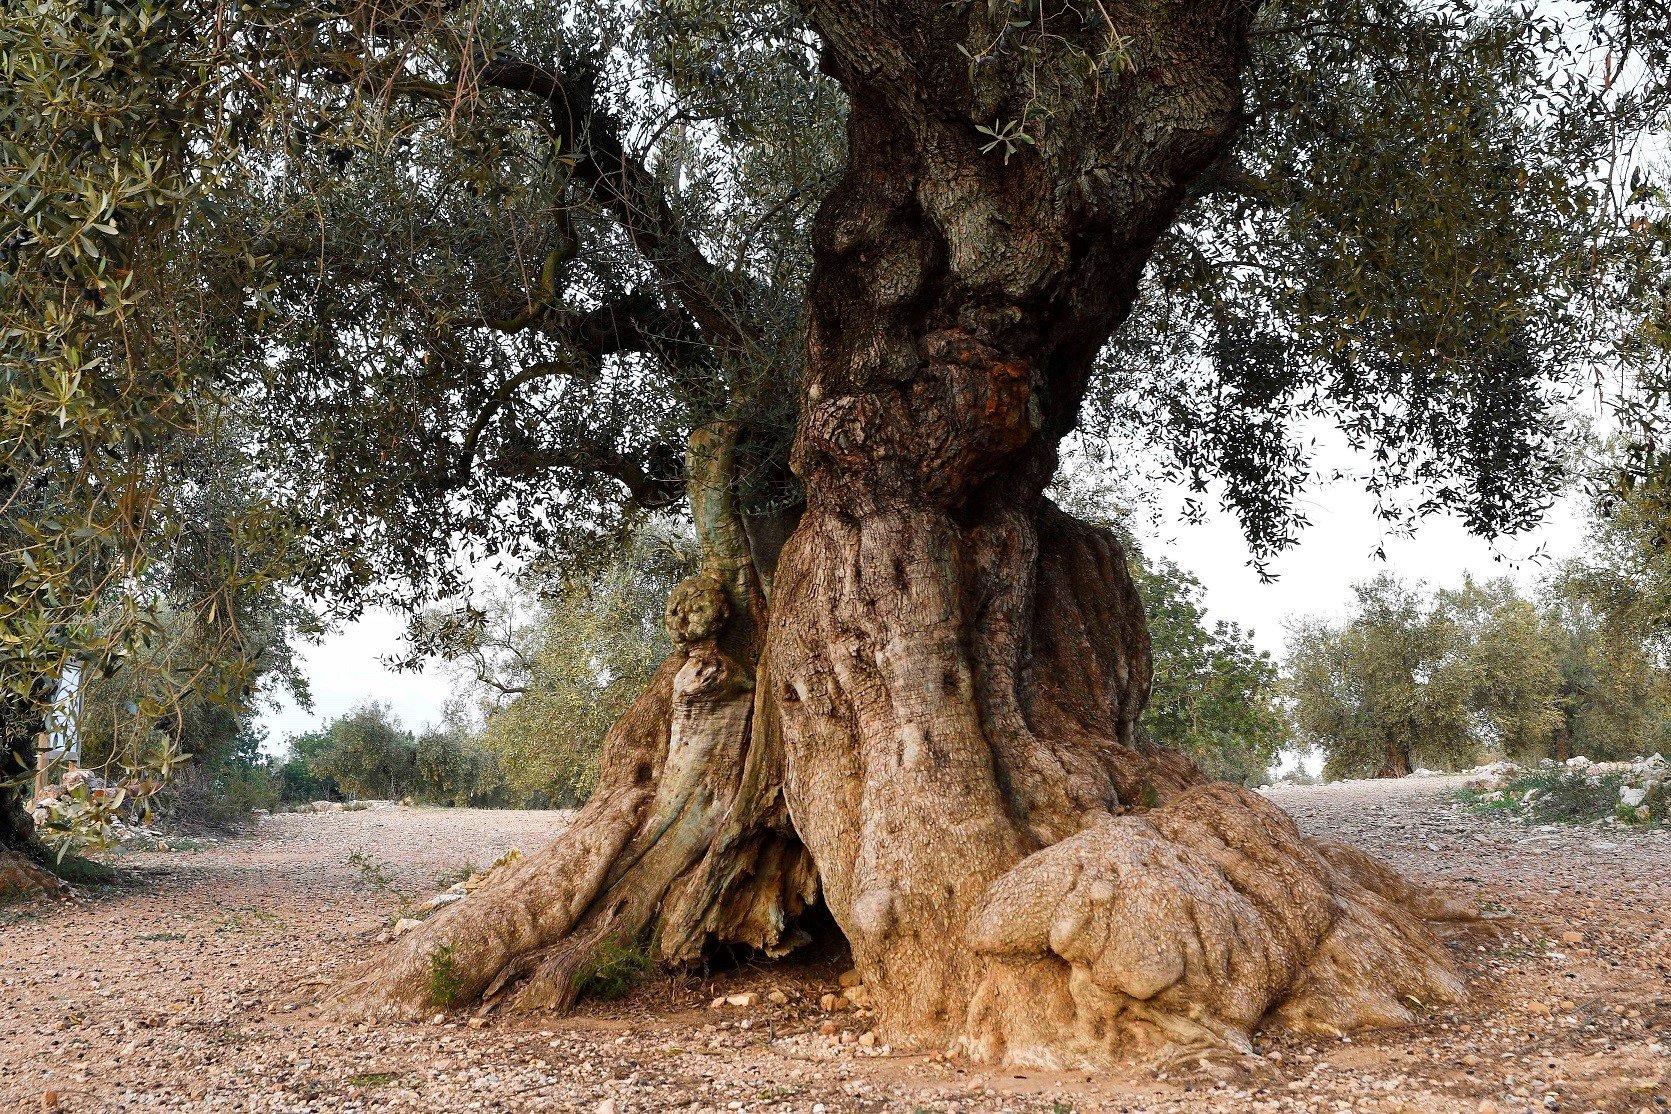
{"points": [[657, 481], [632, 194], [496, 402]]}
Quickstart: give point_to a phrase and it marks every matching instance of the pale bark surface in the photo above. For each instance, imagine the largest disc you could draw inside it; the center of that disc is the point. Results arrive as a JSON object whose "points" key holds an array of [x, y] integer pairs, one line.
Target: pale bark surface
{"points": [[938, 737]]}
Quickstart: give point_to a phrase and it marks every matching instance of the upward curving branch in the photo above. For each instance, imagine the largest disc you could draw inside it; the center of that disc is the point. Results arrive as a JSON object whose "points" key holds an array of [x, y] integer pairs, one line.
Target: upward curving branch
{"points": [[633, 195]]}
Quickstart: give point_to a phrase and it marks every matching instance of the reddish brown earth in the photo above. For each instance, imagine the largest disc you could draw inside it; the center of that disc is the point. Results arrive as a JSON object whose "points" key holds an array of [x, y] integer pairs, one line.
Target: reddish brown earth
{"points": [[189, 987]]}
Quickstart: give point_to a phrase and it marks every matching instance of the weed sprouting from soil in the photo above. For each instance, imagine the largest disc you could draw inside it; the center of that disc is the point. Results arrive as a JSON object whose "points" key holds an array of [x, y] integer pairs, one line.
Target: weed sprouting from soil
{"points": [[613, 969], [373, 875], [445, 985]]}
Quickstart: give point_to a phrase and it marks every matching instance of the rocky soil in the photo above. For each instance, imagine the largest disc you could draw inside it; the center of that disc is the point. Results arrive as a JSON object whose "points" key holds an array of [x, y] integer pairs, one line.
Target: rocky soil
{"points": [[190, 987]]}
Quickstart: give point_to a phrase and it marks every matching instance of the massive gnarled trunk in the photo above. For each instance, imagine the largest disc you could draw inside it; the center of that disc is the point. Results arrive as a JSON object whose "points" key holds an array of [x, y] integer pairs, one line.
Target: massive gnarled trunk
{"points": [[937, 736]]}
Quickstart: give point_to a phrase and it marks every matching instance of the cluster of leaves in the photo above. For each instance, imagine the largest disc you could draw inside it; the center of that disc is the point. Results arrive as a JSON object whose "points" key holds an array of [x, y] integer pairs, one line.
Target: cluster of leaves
{"points": [[120, 123], [496, 291], [1215, 695], [1411, 251]]}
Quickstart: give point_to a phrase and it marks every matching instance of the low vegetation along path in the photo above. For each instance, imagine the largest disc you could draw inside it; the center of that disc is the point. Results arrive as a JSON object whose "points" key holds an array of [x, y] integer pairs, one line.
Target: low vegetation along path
{"points": [[189, 987]]}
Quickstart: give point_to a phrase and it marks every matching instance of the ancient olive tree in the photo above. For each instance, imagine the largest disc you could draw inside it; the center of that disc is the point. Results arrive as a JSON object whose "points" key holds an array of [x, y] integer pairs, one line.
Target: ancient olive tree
{"points": [[922, 711], [840, 279]]}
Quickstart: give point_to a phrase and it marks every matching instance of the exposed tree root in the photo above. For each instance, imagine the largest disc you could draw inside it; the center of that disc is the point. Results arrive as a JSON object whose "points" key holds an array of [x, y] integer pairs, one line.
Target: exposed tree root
{"points": [[1186, 927], [684, 841], [21, 878], [1056, 894]]}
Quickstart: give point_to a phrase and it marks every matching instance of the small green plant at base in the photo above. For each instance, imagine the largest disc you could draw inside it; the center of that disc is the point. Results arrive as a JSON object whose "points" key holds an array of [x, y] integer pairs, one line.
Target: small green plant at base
{"points": [[373, 874], [612, 969], [445, 985], [373, 1078]]}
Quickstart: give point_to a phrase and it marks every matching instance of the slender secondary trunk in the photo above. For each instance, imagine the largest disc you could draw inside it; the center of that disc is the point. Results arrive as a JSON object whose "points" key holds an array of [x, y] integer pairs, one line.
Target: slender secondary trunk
{"points": [[684, 843], [937, 734]]}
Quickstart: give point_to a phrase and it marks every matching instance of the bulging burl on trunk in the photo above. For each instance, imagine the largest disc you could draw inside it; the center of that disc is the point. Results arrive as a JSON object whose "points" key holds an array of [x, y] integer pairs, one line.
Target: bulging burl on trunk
{"points": [[1191, 925], [931, 726]]}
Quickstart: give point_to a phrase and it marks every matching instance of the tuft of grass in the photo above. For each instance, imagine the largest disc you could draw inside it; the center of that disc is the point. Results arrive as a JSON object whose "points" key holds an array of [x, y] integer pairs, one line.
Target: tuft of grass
{"points": [[446, 987], [373, 1078], [447, 879], [614, 967], [373, 874]]}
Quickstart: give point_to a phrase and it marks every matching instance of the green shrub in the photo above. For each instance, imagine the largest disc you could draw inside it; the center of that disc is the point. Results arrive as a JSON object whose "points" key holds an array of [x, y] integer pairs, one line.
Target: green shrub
{"points": [[445, 985], [1563, 796], [613, 968]]}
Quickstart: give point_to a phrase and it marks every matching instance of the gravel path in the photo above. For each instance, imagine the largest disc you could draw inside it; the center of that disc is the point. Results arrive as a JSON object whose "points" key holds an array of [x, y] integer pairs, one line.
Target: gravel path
{"points": [[190, 988]]}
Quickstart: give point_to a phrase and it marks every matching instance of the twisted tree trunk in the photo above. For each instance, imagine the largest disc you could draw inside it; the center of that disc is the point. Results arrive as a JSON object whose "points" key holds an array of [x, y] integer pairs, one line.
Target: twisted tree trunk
{"points": [[938, 737]]}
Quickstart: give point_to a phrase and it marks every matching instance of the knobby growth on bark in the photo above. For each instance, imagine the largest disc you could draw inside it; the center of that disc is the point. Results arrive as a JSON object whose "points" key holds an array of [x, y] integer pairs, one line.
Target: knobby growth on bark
{"points": [[931, 725]]}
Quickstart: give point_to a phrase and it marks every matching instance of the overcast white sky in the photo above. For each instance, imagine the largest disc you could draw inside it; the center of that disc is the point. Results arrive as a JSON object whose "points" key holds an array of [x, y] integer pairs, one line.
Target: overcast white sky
{"points": [[1314, 578]]}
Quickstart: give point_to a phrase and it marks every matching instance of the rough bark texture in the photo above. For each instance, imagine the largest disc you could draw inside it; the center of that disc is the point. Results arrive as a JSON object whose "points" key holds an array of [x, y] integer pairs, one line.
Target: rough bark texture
{"points": [[961, 666], [953, 669]]}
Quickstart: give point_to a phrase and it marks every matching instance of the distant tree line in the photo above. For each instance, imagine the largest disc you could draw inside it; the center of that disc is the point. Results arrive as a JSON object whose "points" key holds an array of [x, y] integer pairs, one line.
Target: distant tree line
{"points": [[1416, 677]]}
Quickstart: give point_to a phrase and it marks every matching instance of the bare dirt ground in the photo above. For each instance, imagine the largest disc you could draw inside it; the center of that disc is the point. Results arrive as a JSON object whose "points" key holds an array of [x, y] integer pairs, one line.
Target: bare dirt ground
{"points": [[190, 986]]}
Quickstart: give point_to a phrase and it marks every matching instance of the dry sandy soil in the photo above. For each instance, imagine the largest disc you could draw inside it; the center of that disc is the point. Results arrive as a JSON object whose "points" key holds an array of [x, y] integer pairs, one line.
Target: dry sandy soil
{"points": [[189, 987]]}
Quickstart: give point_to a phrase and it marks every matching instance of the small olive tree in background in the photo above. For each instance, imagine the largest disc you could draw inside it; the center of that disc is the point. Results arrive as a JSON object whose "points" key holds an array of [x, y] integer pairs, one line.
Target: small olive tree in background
{"points": [[1448, 678], [368, 755], [1378, 692], [1215, 696], [552, 663]]}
